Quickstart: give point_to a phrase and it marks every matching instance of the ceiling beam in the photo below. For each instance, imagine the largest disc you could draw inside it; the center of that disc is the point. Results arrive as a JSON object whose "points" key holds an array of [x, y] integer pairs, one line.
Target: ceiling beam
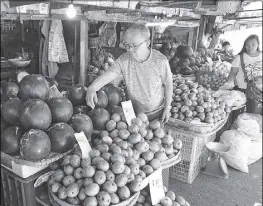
{"points": [[15, 16]]}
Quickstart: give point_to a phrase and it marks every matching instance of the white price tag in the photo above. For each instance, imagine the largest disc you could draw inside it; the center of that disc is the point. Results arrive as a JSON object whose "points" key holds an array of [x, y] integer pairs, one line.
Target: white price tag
{"points": [[54, 92], [156, 186], [83, 144], [128, 111]]}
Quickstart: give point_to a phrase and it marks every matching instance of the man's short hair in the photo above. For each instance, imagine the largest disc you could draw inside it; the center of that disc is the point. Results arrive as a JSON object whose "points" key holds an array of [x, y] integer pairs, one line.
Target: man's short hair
{"points": [[225, 43], [142, 30]]}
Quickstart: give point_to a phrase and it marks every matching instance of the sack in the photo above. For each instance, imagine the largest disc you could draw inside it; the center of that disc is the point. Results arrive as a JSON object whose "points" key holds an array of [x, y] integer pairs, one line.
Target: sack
{"points": [[246, 121], [239, 144], [251, 126], [255, 152]]}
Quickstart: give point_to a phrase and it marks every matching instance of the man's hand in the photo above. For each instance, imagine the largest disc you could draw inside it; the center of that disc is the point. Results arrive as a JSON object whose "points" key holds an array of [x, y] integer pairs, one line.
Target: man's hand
{"points": [[91, 97], [165, 115]]}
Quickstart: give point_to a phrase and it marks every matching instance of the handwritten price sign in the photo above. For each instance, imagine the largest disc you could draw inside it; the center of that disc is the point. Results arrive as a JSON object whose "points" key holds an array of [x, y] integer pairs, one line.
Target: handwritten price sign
{"points": [[156, 186], [83, 144]]}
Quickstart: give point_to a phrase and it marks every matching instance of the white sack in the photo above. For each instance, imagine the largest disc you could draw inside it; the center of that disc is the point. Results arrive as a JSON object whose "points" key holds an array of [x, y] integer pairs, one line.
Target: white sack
{"points": [[239, 144]]}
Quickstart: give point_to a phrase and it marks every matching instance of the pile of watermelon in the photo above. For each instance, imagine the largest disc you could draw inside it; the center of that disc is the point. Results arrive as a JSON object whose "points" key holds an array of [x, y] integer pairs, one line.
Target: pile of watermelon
{"points": [[33, 125]]}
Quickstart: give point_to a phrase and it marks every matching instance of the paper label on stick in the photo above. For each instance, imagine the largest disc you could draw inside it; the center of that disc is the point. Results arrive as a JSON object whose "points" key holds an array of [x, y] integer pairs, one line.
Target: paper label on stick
{"points": [[128, 111], [156, 186], [54, 92], [83, 144]]}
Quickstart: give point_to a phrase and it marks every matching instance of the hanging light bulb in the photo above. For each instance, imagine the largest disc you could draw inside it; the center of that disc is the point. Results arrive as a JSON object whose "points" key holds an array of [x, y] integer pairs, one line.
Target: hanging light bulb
{"points": [[71, 11]]}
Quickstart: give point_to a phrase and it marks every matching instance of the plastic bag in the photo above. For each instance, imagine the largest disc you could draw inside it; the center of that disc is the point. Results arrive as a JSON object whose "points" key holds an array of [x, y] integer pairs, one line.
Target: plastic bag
{"points": [[255, 152], [248, 116], [239, 144], [251, 126]]}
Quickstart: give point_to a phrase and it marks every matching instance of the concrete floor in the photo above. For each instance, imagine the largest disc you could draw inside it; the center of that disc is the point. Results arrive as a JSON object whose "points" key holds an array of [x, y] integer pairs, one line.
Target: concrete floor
{"points": [[240, 189]]}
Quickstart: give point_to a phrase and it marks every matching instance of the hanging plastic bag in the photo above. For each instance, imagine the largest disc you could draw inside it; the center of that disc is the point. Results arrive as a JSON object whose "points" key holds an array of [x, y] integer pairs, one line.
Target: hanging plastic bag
{"points": [[239, 144], [57, 50]]}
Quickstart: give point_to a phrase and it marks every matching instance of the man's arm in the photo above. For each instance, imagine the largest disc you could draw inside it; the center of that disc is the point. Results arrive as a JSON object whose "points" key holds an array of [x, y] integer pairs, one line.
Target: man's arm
{"points": [[96, 85], [102, 80], [168, 93]]}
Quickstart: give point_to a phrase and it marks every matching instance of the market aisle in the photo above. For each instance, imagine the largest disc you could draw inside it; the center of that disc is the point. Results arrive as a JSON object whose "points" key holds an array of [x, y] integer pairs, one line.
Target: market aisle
{"points": [[239, 190]]}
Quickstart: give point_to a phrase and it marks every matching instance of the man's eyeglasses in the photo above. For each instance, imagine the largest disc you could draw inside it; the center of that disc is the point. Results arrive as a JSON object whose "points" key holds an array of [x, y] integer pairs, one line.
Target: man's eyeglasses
{"points": [[128, 46]]}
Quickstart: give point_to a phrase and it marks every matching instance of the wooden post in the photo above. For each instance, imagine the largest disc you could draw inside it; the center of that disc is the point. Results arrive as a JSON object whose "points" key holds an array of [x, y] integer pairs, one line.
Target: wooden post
{"points": [[202, 28], [196, 32], [83, 51], [190, 37], [152, 37]]}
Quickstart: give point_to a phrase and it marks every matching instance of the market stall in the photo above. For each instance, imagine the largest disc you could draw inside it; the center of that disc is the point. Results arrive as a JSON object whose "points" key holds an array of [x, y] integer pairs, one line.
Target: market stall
{"points": [[56, 150]]}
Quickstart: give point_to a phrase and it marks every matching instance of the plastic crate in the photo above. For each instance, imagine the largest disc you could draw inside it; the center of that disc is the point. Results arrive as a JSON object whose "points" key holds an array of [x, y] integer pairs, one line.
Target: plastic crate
{"points": [[192, 152], [165, 175], [18, 191]]}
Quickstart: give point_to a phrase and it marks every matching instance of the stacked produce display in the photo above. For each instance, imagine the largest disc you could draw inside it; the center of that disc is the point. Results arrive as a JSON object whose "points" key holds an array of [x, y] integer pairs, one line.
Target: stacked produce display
{"points": [[32, 120], [186, 61], [170, 199], [214, 75], [192, 101], [122, 157]]}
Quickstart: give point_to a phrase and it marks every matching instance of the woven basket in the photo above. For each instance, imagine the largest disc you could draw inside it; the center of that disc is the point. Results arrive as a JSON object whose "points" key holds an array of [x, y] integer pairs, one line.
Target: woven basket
{"points": [[53, 157], [58, 202], [173, 161], [198, 128], [165, 164]]}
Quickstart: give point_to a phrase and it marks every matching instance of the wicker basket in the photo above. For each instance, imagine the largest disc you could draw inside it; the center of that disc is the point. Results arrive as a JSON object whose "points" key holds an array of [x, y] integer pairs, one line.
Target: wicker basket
{"points": [[191, 77], [196, 127], [53, 157], [58, 202], [165, 165], [192, 152]]}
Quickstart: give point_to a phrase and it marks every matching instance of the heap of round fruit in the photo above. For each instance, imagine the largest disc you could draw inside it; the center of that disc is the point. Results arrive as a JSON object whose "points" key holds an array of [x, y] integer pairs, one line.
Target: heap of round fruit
{"points": [[170, 199], [33, 125], [217, 75], [122, 157], [186, 61], [214, 81], [192, 101], [143, 144], [102, 179]]}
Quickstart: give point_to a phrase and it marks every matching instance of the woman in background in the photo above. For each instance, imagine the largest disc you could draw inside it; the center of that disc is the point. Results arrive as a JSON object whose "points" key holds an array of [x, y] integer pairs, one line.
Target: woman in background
{"points": [[246, 68]]}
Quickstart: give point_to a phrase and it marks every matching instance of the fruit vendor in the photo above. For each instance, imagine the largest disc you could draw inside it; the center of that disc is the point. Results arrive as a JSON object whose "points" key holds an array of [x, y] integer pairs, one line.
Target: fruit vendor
{"points": [[226, 54], [146, 73], [246, 68]]}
